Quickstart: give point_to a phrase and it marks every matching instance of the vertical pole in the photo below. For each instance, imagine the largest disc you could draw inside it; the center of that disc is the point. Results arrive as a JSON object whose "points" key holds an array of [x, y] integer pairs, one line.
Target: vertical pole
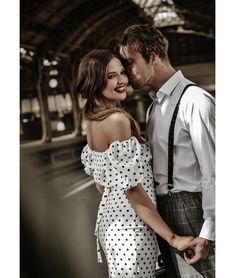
{"points": [[74, 99], [46, 124]]}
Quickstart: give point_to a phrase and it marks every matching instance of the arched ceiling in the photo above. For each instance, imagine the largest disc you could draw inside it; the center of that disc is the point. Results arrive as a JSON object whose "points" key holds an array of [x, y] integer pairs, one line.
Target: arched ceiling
{"points": [[71, 28]]}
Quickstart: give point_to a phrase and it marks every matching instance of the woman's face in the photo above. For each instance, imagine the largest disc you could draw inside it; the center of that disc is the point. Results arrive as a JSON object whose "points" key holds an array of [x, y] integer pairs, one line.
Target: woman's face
{"points": [[117, 80]]}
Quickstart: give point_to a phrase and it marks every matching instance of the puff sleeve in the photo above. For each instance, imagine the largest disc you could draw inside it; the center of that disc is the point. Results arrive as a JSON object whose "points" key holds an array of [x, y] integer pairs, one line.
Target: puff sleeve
{"points": [[122, 165], [87, 161]]}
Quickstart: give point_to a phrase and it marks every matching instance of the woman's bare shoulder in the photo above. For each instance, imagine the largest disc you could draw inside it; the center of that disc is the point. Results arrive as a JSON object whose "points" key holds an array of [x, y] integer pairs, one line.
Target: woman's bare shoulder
{"points": [[117, 127], [118, 118]]}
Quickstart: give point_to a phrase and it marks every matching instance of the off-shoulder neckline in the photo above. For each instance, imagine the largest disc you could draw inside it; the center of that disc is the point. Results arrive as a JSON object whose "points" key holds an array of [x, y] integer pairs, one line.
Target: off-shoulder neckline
{"points": [[113, 143]]}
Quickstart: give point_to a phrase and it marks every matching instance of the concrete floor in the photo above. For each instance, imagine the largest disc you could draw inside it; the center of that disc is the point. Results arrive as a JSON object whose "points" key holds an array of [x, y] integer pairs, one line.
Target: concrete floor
{"points": [[57, 232]]}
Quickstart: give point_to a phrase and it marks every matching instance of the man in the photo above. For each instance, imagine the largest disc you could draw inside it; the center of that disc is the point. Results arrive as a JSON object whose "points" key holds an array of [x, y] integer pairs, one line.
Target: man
{"points": [[183, 154]]}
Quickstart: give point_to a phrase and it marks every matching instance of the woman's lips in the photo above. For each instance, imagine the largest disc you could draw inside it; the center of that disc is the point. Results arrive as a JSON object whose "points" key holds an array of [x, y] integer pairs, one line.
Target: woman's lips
{"points": [[120, 89]]}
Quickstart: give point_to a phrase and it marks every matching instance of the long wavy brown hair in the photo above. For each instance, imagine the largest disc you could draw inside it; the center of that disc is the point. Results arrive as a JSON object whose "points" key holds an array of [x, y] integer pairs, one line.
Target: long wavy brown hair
{"points": [[90, 83]]}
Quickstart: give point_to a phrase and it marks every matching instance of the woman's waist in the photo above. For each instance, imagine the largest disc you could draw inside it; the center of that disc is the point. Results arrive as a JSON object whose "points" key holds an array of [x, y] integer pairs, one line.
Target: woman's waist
{"points": [[116, 198], [121, 223], [132, 227]]}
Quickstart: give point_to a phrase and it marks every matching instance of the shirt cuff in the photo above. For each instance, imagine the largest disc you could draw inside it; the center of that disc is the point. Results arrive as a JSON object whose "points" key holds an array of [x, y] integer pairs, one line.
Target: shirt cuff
{"points": [[208, 230]]}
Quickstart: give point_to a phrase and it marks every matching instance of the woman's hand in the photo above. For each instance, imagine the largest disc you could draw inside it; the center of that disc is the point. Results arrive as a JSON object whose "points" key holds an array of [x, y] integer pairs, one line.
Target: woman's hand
{"points": [[180, 243]]}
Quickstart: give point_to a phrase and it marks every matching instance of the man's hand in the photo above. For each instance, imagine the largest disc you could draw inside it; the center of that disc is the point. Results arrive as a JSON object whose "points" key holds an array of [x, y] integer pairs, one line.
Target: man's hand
{"points": [[201, 247]]}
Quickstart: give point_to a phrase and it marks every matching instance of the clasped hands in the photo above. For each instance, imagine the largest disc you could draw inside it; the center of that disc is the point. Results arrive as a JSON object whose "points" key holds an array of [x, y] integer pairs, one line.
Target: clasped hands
{"points": [[194, 249]]}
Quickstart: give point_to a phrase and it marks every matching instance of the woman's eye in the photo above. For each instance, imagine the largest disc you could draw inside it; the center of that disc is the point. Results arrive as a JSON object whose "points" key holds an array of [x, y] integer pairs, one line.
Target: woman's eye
{"points": [[111, 76]]}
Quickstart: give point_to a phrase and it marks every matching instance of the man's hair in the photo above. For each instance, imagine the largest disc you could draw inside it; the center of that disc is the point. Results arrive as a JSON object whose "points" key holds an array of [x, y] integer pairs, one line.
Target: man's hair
{"points": [[145, 39]]}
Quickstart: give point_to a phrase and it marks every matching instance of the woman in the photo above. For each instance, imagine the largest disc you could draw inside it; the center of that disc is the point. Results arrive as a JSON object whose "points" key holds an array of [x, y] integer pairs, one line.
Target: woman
{"points": [[119, 160]]}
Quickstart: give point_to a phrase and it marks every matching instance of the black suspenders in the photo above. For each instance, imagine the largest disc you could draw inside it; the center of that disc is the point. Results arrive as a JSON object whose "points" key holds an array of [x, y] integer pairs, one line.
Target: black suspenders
{"points": [[171, 140]]}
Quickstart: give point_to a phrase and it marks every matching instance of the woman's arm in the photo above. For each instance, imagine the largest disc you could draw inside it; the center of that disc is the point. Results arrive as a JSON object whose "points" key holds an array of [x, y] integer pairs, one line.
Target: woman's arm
{"points": [[119, 129], [145, 209], [100, 187]]}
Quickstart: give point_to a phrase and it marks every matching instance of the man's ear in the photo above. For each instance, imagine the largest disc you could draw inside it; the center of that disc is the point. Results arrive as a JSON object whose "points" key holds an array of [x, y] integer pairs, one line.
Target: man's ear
{"points": [[154, 58]]}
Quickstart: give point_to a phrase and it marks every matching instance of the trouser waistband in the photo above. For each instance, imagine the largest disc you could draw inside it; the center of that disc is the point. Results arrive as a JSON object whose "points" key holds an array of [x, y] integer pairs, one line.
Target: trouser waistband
{"points": [[179, 195]]}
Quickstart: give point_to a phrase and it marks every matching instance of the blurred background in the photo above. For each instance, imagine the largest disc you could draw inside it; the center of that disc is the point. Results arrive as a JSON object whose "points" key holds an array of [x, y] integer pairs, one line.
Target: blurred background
{"points": [[58, 203]]}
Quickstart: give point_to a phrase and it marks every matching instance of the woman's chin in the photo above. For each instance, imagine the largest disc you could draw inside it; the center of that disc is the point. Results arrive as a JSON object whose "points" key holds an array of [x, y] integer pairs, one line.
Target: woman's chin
{"points": [[121, 96]]}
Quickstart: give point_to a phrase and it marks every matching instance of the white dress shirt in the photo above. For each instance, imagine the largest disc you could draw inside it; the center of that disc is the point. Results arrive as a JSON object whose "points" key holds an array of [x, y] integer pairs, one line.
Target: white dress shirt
{"points": [[194, 148]]}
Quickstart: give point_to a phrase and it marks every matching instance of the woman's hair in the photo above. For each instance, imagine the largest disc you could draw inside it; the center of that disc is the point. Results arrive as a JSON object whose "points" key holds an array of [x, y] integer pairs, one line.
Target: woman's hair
{"points": [[92, 79], [145, 39], [90, 83]]}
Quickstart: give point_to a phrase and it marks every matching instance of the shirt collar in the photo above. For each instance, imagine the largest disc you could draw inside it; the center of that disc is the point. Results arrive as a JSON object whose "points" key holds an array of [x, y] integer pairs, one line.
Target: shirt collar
{"points": [[167, 88]]}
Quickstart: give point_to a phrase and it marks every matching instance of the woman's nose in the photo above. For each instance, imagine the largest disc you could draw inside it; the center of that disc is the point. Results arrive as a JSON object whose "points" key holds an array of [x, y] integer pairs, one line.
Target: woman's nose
{"points": [[122, 79]]}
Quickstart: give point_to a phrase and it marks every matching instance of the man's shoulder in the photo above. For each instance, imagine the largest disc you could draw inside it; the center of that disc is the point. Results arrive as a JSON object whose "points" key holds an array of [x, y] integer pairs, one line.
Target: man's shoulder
{"points": [[196, 94]]}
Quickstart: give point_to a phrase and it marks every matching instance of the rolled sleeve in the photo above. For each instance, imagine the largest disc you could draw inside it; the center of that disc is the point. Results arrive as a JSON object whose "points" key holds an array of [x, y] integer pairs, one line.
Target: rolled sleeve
{"points": [[208, 229]]}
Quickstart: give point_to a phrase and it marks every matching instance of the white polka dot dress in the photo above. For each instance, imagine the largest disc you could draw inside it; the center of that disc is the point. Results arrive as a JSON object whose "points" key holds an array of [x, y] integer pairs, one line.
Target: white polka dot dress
{"points": [[129, 245]]}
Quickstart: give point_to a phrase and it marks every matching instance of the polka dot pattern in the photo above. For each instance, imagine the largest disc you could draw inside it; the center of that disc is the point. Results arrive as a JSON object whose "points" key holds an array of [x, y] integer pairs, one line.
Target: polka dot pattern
{"points": [[129, 245]]}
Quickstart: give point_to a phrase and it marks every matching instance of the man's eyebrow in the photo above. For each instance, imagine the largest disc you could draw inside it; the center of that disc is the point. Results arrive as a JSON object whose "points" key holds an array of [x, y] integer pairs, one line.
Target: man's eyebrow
{"points": [[126, 59]]}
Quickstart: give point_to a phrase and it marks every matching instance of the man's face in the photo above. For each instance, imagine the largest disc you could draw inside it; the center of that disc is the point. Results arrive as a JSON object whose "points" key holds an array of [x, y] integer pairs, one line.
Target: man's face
{"points": [[139, 71]]}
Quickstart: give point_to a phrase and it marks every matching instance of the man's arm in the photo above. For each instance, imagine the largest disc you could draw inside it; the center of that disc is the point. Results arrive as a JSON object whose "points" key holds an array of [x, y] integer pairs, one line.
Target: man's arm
{"points": [[201, 123]]}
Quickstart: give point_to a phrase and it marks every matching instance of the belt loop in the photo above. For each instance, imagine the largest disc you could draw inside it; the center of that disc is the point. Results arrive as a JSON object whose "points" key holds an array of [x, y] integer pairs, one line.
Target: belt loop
{"points": [[169, 193]]}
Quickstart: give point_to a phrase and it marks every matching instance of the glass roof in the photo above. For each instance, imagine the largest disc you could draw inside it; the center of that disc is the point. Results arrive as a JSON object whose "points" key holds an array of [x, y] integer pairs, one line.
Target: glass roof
{"points": [[163, 12]]}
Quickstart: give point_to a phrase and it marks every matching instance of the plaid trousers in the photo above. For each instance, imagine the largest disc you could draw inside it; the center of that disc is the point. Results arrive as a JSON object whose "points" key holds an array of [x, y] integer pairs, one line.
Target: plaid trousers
{"points": [[183, 213]]}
